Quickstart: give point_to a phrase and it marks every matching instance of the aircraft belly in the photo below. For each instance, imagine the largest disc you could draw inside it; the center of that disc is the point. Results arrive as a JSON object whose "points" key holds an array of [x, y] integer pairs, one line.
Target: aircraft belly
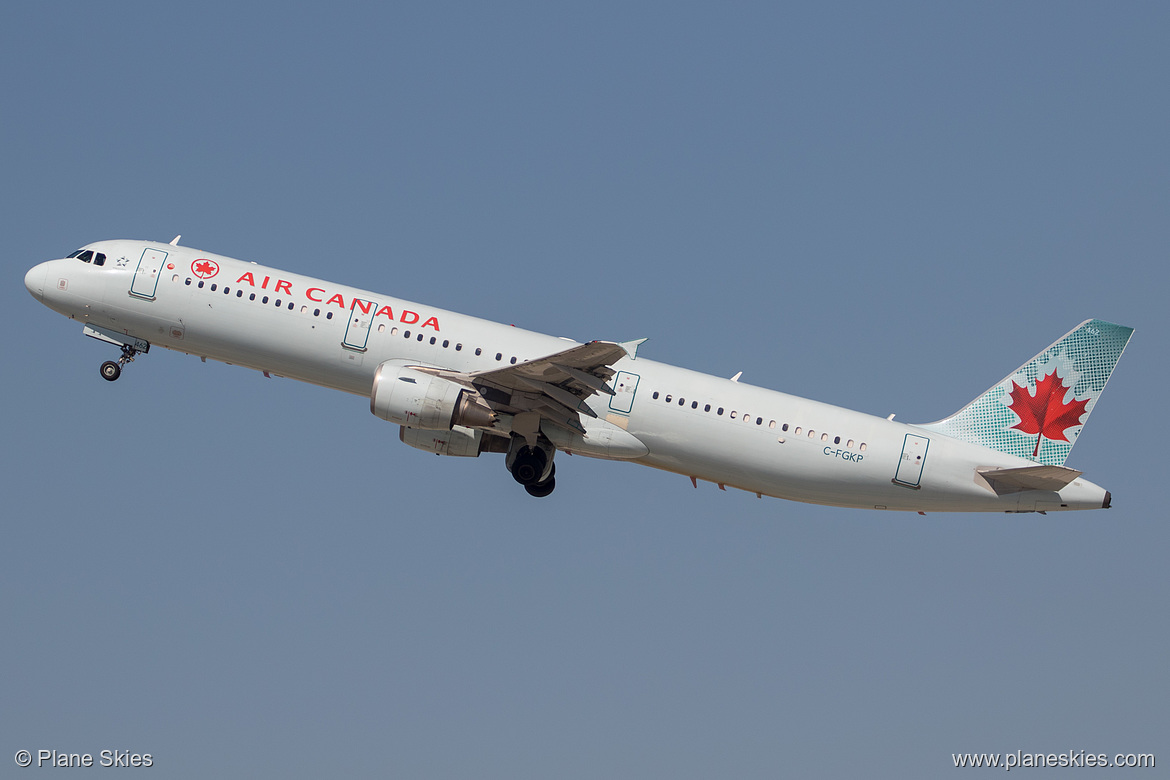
{"points": [[810, 471], [277, 342], [759, 462]]}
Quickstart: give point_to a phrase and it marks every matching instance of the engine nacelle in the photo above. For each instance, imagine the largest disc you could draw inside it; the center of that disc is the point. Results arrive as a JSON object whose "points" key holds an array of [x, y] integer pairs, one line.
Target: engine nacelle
{"points": [[417, 400], [462, 442]]}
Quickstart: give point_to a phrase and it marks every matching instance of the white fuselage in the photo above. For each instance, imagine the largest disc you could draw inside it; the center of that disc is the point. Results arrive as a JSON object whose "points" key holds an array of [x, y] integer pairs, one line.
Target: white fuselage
{"points": [[701, 426]]}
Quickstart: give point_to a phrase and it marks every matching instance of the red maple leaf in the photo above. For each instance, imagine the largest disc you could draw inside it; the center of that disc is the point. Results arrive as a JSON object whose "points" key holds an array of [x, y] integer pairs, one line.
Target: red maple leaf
{"points": [[1046, 413], [205, 268]]}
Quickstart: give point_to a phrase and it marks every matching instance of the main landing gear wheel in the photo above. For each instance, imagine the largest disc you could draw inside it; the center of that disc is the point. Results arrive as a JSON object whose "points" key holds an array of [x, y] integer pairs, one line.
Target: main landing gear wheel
{"points": [[532, 466], [542, 489], [529, 465]]}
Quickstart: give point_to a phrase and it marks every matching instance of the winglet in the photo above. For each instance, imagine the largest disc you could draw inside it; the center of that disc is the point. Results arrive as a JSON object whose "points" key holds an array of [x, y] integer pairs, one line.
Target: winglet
{"points": [[631, 347]]}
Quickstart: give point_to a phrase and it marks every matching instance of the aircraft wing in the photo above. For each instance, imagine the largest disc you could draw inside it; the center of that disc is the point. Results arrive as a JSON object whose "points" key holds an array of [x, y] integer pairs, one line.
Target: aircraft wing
{"points": [[555, 387]]}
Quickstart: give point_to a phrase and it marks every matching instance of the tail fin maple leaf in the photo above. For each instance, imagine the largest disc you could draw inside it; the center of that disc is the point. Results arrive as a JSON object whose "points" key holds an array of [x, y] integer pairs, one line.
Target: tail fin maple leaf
{"points": [[1045, 413]]}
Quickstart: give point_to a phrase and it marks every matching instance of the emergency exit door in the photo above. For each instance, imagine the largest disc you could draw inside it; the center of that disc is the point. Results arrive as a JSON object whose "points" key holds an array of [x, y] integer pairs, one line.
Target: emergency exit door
{"points": [[357, 332], [624, 386]]}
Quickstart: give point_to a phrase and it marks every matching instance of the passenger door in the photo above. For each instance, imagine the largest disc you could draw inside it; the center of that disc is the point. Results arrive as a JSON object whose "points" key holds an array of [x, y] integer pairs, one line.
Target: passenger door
{"points": [[913, 459], [145, 281]]}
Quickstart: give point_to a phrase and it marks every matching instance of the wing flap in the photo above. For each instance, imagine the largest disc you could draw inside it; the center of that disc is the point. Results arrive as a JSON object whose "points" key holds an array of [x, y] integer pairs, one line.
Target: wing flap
{"points": [[585, 378], [594, 357], [555, 386]]}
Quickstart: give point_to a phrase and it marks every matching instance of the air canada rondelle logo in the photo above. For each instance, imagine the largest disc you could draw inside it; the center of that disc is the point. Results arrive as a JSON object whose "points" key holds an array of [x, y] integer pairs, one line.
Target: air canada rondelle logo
{"points": [[204, 269]]}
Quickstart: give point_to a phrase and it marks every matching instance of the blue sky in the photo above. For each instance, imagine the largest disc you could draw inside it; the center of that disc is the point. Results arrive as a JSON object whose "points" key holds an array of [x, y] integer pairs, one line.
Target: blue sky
{"points": [[886, 207]]}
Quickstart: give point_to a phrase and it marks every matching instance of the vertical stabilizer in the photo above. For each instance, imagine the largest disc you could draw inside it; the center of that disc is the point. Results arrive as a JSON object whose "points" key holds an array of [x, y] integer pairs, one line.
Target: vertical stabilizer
{"points": [[1038, 410]]}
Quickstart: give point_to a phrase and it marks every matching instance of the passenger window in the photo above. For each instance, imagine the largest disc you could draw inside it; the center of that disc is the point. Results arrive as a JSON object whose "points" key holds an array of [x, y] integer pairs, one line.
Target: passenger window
{"points": [[654, 395], [682, 401], [824, 437], [849, 444], [797, 431], [836, 439], [759, 421], [458, 347], [771, 423], [381, 327], [291, 305], [720, 410], [694, 404], [446, 343], [188, 282], [252, 297], [811, 433], [784, 427], [513, 360], [732, 415], [669, 398], [406, 334], [499, 356], [432, 340], [304, 309], [862, 447], [239, 293], [328, 315], [200, 284], [707, 408], [420, 337], [478, 351], [316, 312], [213, 287]]}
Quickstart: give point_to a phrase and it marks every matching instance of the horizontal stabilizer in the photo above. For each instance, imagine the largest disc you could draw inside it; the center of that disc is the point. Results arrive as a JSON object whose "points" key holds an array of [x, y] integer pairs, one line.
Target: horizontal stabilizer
{"points": [[1005, 481]]}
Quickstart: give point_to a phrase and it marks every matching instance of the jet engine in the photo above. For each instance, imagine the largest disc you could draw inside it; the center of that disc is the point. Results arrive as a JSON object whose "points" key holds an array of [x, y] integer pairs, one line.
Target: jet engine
{"points": [[417, 400]]}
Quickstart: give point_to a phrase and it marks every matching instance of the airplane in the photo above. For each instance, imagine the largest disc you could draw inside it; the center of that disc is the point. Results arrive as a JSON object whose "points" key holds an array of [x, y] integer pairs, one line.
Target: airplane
{"points": [[462, 386]]}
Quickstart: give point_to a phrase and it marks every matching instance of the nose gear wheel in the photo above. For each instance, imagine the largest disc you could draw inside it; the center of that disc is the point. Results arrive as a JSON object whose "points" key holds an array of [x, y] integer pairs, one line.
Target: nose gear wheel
{"points": [[111, 371]]}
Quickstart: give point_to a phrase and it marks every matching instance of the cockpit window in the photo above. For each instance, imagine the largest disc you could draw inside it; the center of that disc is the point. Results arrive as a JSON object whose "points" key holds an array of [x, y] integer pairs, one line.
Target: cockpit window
{"points": [[89, 256]]}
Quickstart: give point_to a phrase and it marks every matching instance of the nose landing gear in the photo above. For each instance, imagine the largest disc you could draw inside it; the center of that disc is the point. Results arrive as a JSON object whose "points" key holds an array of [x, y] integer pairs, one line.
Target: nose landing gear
{"points": [[111, 370], [130, 345]]}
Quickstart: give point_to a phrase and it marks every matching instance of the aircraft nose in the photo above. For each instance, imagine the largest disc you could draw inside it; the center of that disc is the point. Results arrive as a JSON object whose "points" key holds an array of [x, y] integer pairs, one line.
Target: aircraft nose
{"points": [[34, 281]]}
